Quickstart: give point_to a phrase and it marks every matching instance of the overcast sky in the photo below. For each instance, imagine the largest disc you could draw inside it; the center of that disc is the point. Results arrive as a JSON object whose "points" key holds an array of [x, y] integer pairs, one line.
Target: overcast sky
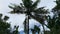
{"points": [[16, 19]]}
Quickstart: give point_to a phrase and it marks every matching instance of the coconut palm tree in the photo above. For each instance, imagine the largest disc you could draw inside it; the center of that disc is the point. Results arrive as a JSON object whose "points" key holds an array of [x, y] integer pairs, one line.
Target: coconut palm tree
{"points": [[29, 8]]}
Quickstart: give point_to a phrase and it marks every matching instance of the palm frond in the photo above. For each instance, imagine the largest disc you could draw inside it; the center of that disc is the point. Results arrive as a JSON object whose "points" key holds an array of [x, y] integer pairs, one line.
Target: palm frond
{"points": [[41, 11], [34, 5], [17, 9], [39, 19], [11, 7], [27, 3]]}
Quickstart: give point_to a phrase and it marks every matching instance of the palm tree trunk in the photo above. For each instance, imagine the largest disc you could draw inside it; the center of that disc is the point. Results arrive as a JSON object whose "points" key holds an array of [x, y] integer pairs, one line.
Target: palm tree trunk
{"points": [[27, 24], [25, 30]]}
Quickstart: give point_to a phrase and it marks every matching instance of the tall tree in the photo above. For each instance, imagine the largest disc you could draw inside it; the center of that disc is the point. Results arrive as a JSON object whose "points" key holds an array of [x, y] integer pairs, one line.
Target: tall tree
{"points": [[29, 8]]}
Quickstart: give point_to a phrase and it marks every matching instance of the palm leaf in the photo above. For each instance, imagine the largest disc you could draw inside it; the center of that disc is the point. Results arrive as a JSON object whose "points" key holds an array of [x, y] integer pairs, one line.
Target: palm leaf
{"points": [[11, 7], [17, 9], [39, 19], [35, 4], [41, 11], [27, 3]]}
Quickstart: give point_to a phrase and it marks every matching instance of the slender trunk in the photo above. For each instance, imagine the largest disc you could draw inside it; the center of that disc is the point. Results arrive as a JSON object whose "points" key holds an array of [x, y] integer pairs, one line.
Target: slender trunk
{"points": [[25, 30], [43, 29], [27, 24]]}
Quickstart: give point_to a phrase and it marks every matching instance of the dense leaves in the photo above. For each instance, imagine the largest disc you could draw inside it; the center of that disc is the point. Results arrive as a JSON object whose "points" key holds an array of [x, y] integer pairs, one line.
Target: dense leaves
{"points": [[5, 27]]}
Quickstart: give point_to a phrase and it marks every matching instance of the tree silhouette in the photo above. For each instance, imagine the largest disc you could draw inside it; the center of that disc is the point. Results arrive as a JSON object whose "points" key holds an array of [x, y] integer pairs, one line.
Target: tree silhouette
{"points": [[5, 27], [29, 8], [56, 11], [54, 23]]}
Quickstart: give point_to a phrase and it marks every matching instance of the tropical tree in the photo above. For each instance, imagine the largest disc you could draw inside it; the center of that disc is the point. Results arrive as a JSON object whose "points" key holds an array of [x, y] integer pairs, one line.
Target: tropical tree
{"points": [[54, 23], [56, 11], [5, 27], [51, 24], [29, 8]]}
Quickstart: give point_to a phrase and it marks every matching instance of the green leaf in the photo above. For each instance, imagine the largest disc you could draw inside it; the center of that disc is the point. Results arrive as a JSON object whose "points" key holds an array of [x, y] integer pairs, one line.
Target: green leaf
{"points": [[34, 5]]}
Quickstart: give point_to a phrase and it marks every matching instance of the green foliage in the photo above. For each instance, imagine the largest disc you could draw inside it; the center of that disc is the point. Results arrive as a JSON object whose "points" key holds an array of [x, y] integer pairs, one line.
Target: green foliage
{"points": [[57, 7], [5, 26], [54, 23], [27, 3], [36, 29]]}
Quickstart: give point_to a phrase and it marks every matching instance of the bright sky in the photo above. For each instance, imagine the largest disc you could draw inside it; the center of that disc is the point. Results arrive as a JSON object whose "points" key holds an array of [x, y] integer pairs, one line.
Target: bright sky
{"points": [[16, 19]]}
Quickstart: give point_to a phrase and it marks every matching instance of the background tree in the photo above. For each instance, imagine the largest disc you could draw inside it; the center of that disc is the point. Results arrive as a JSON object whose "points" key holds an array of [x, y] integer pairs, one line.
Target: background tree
{"points": [[56, 11], [5, 27], [54, 23]]}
